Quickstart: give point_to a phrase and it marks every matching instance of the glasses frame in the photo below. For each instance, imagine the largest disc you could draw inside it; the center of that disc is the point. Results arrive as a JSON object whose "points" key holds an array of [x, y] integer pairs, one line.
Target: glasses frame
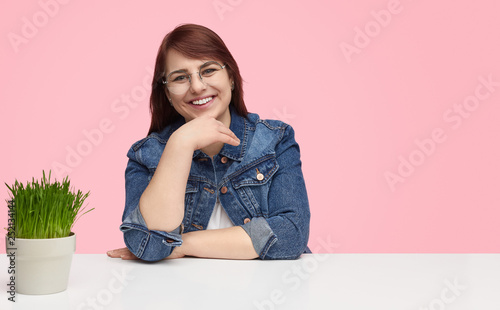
{"points": [[222, 67]]}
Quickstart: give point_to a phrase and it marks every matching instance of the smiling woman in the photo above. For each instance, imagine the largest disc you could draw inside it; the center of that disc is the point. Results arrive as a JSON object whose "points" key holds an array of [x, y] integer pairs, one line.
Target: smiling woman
{"points": [[190, 42], [211, 87], [210, 179]]}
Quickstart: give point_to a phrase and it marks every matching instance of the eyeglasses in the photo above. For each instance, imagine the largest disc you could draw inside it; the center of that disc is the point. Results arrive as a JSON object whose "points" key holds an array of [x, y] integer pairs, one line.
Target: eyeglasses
{"points": [[178, 82]]}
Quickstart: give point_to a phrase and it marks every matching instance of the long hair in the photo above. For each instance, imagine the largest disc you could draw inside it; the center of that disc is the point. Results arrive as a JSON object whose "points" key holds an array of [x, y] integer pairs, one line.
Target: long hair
{"points": [[192, 41]]}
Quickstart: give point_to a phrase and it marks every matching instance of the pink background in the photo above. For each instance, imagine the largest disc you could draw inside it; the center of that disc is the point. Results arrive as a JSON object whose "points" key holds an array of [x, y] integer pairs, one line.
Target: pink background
{"points": [[358, 84]]}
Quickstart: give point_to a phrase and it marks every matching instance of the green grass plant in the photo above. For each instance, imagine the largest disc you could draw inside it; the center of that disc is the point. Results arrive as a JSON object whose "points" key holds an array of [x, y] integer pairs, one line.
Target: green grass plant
{"points": [[42, 209]]}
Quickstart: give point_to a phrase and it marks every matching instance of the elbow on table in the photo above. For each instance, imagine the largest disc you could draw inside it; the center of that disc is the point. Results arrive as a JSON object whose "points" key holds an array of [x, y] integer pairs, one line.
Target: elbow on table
{"points": [[286, 244], [285, 249], [278, 237], [147, 246]]}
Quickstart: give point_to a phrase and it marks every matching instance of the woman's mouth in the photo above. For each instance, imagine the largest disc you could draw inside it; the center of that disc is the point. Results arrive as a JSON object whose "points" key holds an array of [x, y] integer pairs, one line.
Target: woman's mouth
{"points": [[202, 101]]}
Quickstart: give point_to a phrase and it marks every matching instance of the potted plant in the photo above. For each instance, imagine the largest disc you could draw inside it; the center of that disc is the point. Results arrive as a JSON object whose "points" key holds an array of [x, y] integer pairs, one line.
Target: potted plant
{"points": [[41, 216]]}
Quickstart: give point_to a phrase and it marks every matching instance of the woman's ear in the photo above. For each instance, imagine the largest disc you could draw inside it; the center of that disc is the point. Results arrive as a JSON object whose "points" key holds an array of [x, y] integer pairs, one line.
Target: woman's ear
{"points": [[168, 96]]}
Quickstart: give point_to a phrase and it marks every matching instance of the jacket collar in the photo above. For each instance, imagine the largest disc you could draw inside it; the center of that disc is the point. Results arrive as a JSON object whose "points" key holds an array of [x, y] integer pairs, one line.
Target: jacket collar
{"points": [[239, 125]]}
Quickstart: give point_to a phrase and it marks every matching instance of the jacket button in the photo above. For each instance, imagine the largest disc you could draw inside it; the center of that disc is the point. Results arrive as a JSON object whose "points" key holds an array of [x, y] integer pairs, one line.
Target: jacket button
{"points": [[247, 220], [223, 160], [223, 190], [260, 176]]}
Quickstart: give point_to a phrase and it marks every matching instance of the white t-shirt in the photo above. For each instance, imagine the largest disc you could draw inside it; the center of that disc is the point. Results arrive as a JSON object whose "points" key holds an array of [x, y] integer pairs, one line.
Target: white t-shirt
{"points": [[219, 218]]}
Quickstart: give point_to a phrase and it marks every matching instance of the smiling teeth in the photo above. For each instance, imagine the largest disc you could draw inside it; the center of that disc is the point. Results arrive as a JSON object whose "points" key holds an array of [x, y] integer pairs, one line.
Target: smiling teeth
{"points": [[201, 101]]}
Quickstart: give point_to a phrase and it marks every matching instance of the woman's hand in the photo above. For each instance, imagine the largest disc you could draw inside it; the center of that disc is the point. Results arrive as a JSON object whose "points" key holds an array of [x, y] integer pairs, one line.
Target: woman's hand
{"points": [[204, 131], [125, 254]]}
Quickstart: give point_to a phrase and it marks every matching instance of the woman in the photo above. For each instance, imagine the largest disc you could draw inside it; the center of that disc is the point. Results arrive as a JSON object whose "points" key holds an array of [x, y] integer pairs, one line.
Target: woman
{"points": [[210, 180]]}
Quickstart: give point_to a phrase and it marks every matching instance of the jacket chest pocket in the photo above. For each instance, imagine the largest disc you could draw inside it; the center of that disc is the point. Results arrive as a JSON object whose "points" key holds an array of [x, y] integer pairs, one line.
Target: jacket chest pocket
{"points": [[252, 183]]}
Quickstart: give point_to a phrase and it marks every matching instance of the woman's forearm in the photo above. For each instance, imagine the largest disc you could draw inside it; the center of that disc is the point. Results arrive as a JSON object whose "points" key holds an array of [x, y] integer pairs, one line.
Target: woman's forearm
{"points": [[162, 203], [228, 243]]}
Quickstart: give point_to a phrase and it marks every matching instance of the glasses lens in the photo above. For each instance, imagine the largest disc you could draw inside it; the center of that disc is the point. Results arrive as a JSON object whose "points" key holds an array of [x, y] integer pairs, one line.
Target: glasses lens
{"points": [[210, 71], [178, 82]]}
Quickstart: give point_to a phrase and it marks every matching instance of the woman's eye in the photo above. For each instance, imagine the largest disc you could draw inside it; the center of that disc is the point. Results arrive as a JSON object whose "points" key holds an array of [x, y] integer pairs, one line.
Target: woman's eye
{"points": [[208, 71], [180, 78]]}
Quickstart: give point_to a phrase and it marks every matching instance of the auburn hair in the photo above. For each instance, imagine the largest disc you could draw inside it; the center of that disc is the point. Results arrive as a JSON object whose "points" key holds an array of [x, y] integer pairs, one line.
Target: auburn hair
{"points": [[198, 42]]}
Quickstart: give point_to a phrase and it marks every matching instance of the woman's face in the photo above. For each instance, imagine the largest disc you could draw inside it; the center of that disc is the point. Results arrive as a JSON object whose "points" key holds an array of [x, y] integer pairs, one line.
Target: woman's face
{"points": [[200, 98]]}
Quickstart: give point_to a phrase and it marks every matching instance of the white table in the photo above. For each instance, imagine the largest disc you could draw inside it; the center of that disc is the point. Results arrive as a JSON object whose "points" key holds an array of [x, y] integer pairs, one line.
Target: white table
{"points": [[315, 281]]}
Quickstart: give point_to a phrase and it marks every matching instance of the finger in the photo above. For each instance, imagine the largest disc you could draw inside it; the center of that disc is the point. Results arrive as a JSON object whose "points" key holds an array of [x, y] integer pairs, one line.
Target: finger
{"points": [[113, 254], [226, 130], [117, 253], [230, 138], [232, 141]]}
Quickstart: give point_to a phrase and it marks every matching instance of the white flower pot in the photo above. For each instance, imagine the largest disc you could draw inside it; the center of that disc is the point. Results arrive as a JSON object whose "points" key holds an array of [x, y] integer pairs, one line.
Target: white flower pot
{"points": [[42, 265]]}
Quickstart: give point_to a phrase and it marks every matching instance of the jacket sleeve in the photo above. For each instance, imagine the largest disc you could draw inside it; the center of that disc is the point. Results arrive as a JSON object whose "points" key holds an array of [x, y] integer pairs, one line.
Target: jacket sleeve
{"points": [[285, 232], [148, 245]]}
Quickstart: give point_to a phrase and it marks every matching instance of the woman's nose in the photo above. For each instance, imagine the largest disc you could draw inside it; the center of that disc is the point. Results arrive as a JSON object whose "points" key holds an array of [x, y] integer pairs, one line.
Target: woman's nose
{"points": [[197, 84]]}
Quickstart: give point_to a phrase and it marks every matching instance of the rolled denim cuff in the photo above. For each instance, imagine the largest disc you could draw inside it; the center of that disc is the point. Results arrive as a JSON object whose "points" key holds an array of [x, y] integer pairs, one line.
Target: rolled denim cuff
{"points": [[149, 245], [261, 234]]}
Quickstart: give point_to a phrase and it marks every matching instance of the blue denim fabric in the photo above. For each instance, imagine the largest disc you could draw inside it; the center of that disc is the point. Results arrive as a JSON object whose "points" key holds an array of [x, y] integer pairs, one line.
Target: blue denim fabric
{"points": [[261, 181]]}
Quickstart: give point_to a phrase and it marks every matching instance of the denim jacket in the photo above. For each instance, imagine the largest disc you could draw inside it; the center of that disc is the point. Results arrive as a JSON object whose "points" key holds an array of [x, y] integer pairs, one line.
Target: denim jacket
{"points": [[259, 184]]}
